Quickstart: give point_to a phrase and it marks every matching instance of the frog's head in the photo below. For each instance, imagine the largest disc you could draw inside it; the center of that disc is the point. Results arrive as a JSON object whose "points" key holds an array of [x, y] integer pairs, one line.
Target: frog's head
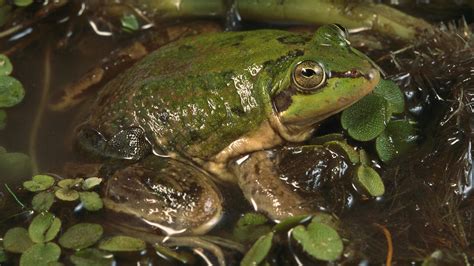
{"points": [[329, 77]]}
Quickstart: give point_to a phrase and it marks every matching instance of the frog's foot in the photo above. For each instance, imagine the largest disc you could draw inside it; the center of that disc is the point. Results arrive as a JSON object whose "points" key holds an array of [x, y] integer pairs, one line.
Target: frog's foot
{"points": [[293, 181], [165, 194]]}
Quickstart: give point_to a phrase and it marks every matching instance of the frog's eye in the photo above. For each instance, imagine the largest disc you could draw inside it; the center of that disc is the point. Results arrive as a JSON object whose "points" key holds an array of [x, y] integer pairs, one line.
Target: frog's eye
{"points": [[308, 76]]}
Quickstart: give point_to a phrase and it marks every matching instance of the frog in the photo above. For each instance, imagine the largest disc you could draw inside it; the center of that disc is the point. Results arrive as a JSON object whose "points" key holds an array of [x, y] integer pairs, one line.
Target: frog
{"points": [[206, 100]]}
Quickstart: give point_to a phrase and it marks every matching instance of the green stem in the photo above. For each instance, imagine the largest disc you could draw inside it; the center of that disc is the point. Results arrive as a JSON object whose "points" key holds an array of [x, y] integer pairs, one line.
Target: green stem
{"points": [[14, 196], [378, 17]]}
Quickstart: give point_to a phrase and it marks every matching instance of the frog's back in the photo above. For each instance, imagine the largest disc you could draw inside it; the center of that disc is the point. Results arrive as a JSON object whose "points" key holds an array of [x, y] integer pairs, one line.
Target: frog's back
{"points": [[197, 94]]}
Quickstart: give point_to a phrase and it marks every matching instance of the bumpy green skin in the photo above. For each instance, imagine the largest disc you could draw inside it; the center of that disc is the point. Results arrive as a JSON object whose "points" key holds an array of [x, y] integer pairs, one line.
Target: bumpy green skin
{"points": [[196, 96]]}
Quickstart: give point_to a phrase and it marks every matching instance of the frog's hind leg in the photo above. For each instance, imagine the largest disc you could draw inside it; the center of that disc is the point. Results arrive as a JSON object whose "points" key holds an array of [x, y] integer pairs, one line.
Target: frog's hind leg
{"points": [[165, 194]]}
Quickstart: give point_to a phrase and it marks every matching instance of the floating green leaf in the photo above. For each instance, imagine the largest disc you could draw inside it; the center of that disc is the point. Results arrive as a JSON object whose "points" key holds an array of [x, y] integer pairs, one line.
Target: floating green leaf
{"points": [[290, 222], [5, 65], [39, 183], [91, 201], [258, 251], [392, 93], [366, 119], [398, 138], [11, 91], [40, 254], [364, 157], [42, 201], [15, 164], [81, 236], [250, 227], [319, 240], [122, 243], [17, 240], [70, 183], [130, 23], [44, 227], [348, 149], [66, 194], [369, 180], [3, 119], [92, 257], [91, 182], [183, 257]]}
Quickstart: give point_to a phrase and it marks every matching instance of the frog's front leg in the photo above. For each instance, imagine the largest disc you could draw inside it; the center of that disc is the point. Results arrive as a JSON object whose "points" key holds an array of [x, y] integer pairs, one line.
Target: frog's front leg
{"points": [[165, 195]]}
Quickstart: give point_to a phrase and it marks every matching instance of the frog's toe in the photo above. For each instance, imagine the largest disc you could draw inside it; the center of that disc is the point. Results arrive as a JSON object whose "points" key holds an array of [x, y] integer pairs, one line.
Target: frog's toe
{"points": [[177, 198]]}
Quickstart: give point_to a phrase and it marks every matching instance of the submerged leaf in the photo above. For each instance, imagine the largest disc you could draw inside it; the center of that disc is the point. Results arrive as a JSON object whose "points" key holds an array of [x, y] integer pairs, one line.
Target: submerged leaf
{"points": [[398, 138], [3, 256], [122, 243], [5, 65], [42, 201], [39, 183], [369, 180], [81, 236], [17, 240], [366, 119], [44, 227], [91, 201], [15, 164], [258, 251], [40, 254], [11, 91], [3, 119], [319, 240], [92, 257]]}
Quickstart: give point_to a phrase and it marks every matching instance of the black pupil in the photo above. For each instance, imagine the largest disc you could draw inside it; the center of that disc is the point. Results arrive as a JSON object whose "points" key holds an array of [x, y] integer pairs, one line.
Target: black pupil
{"points": [[308, 72]]}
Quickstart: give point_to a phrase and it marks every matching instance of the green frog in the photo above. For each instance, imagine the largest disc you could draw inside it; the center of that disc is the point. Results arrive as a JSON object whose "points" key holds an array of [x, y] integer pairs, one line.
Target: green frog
{"points": [[206, 100]]}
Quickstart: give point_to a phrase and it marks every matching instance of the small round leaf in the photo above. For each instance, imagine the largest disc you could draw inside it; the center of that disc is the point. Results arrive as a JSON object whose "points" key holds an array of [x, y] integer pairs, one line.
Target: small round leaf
{"points": [[81, 236], [11, 91], [39, 183], [92, 257], [16, 240], [392, 93], [5, 65], [66, 194], [319, 240], [44, 227], [366, 119], [40, 254], [258, 251], [70, 183], [91, 201], [398, 138], [369, 180], [42, 201], [91, 182], [122, 243]]}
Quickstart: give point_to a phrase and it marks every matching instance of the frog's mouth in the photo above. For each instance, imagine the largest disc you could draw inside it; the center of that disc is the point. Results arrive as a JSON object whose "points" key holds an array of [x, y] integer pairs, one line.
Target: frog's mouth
{"points": [[295, 126]]}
